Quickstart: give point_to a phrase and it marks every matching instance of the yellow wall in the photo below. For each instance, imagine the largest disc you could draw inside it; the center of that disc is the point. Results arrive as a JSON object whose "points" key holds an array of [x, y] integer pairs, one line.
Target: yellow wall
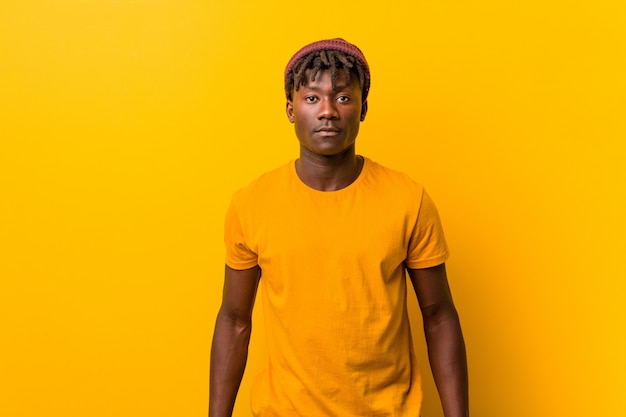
{"points": [[126, 125]]}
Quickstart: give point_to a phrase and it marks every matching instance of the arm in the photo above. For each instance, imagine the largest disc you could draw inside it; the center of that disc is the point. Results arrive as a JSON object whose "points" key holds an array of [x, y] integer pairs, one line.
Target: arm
{"points": [[233, 327], [446, 348]]}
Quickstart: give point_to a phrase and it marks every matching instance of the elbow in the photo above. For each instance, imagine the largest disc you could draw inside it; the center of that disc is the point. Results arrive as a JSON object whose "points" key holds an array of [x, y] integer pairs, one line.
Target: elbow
{"points": [[237, 324], [439, 315]]}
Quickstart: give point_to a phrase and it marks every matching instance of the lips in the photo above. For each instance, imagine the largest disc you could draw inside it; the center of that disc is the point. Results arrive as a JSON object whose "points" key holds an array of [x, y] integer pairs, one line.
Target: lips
{"points": [[327, 130]]}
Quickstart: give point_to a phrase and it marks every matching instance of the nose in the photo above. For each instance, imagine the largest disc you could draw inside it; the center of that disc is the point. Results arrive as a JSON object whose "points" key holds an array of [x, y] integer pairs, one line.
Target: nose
{"points": [[328, 110]]}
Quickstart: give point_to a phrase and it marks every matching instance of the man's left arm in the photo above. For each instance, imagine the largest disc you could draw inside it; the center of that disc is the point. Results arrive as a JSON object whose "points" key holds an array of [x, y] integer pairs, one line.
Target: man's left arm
{"points": [[446, 348]]}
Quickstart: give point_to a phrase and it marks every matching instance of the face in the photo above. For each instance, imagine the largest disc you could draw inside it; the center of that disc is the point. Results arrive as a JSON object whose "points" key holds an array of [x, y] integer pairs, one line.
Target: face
{"points": [[326, 121]]}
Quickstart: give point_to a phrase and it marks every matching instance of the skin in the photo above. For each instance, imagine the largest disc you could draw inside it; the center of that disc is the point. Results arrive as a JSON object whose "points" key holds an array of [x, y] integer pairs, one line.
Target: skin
{"points": [[327, 123], [444, 339], [233, 327]]}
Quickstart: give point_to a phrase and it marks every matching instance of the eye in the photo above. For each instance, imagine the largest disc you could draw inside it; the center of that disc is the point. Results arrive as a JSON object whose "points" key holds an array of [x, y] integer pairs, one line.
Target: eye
{"points": [[343, 99], [310, 99]]}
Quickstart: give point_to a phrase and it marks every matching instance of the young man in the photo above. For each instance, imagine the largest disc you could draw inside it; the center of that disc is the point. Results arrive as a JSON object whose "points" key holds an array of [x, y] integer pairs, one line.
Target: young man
{"points": [[329, 236]]}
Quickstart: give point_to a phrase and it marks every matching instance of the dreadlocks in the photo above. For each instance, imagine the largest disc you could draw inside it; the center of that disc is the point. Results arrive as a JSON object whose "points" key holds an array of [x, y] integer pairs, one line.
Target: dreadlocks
{"points": [[326, 60]]}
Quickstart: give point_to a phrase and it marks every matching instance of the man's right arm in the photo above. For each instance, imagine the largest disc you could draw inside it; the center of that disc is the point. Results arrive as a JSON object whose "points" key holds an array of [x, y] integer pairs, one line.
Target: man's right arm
{"points": [[229, 351]]}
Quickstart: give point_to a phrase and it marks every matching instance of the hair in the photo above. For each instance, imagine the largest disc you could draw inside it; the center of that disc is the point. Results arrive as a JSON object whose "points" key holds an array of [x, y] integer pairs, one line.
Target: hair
{"points": [[326, 59]]}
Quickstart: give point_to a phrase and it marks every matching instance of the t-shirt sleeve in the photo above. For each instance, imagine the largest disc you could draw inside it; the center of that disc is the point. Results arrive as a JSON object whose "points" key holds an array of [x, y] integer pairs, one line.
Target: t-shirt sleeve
{"points": [[238, 253], [427, 246]]}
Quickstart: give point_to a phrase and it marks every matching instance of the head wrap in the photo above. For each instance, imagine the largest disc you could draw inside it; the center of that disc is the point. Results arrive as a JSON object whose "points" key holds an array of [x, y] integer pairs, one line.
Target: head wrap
{"points": [[336, 44]]}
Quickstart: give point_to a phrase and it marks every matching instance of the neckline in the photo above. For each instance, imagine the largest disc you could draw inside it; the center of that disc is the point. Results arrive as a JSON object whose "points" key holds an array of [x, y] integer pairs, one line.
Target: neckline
{"points": [[364, 170]]}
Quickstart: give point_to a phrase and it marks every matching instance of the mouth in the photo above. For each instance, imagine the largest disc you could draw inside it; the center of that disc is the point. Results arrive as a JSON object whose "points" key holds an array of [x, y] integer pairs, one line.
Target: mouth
{"points": [[327, 130]]}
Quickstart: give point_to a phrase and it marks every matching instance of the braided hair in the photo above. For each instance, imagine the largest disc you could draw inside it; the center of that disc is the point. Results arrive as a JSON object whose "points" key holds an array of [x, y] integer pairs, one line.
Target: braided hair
{"points": [[325, 59]]}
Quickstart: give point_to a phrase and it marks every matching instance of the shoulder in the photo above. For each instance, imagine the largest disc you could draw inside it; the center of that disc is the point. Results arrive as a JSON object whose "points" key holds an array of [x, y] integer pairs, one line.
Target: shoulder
{"points": [[391, 179], [265, 184]]}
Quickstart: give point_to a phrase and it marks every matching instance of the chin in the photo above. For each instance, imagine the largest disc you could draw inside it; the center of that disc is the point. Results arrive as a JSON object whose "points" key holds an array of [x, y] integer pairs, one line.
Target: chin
{"points": [[327, 148], [332, 152]]}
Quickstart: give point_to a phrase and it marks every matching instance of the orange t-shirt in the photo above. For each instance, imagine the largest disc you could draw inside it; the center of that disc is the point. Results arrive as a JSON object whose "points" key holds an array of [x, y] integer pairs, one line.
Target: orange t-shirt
{"points": [[334, 289]]}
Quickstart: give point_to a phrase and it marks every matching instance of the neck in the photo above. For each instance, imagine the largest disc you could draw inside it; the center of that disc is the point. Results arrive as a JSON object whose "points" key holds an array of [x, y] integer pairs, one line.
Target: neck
{"points": [[329, 173]]}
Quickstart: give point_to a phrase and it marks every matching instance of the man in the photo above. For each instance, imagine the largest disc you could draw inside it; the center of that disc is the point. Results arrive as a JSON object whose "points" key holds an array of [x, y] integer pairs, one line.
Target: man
{"points": [[329, 236]]}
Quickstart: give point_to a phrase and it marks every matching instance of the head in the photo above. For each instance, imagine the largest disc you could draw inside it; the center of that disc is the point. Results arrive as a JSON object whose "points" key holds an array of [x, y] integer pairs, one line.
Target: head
{"points": [[326, 84], [333, 55]]}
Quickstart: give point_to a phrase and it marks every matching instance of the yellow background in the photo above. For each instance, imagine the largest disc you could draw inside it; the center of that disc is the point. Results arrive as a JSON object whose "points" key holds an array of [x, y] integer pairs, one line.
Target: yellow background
{"points": [[126, 125]]}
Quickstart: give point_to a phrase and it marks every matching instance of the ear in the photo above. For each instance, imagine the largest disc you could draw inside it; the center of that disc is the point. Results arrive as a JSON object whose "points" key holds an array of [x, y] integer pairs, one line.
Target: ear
{"points": [[363, 110], [289, 110]]}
